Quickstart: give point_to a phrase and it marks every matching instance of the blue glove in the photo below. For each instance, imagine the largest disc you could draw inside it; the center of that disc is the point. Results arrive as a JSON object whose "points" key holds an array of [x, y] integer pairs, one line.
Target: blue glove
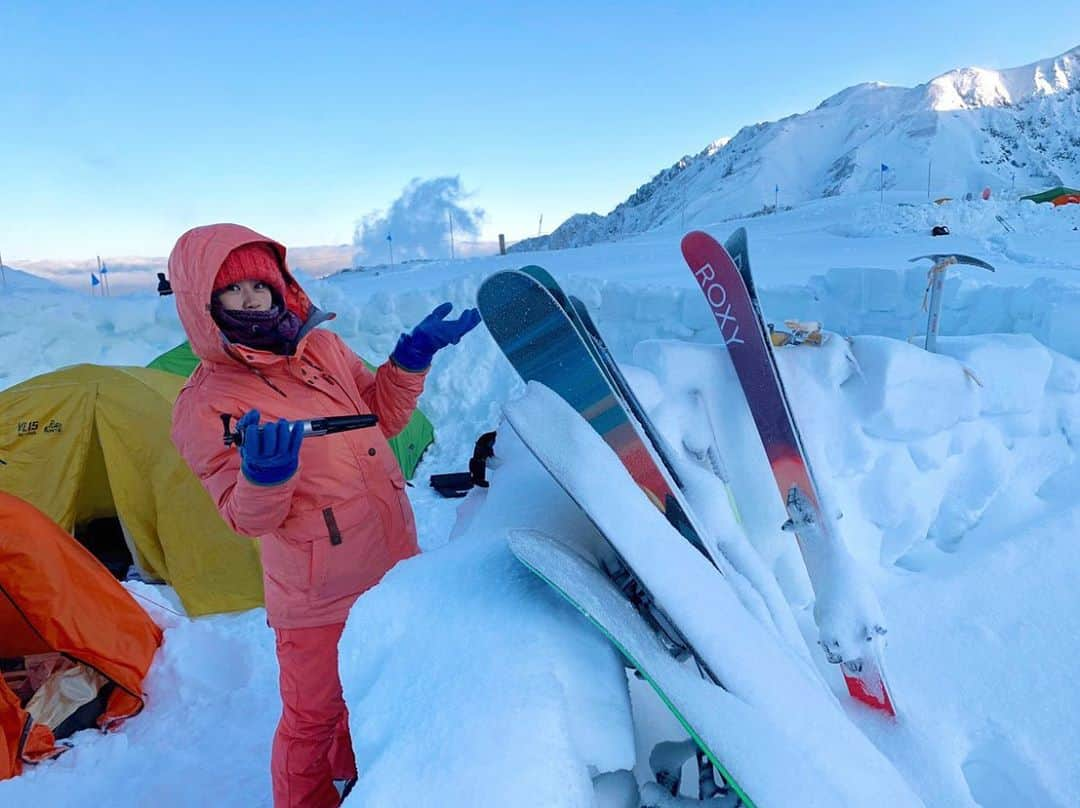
{"points": [[414, 351], [269, 454]]}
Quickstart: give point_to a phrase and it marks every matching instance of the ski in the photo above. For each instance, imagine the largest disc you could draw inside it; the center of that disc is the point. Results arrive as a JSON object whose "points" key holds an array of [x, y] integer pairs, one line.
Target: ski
{"points": [[727, 284], [615, 373], [717, 696], [543, 344], [579, 315], [581, 584]]}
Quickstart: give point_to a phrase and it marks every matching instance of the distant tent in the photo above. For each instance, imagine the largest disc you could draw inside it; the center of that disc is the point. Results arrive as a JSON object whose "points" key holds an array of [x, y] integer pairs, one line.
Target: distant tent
{"points": [[64, 621], [408, 446], [179, 360], [1057, 196], [89, 445]]}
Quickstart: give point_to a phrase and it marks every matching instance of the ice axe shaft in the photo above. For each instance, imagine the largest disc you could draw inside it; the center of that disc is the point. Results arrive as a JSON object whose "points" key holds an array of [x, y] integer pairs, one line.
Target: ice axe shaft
{"points": [[937, 286], [313, 427]]}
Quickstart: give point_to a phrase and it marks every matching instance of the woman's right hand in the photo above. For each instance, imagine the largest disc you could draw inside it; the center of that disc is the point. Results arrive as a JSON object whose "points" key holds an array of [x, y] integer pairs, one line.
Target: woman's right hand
{"points": [[270, 454]]}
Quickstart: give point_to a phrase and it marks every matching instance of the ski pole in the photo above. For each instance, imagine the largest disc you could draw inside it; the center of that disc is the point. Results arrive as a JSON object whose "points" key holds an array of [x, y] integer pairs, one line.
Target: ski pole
{"points": [[312, 427]]}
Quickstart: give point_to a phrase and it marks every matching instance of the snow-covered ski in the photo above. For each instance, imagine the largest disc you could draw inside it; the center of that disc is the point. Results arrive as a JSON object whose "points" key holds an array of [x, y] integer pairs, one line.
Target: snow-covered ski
{"points": [[748, 683], [578, 312], [544, 344], [726, 285], [583, 322], [578, 581]]}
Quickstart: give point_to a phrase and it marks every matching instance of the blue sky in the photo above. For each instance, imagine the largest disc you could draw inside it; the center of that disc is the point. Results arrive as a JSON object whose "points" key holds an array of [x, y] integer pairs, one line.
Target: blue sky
{"points": [[122, 125]]}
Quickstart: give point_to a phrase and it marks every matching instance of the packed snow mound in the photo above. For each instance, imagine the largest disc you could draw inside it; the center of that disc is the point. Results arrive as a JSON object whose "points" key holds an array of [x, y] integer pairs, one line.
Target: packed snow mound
{"points": [[1011, 130], [977, 218], [462, 669], [63, 327], [15, 281], [914, 449], [772, 701], [930, 458]]}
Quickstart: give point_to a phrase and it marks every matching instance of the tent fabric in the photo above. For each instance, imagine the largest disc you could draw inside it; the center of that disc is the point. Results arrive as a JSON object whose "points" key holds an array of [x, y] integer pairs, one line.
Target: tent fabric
{"points": [[179, 360], [54, 595], [90, 441], [408, 446], [21, 740], [1053, 195]]}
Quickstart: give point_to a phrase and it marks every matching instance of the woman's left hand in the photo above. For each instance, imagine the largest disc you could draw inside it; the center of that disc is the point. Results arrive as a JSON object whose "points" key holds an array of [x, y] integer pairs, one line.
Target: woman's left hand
{"points": [[415, 351]]}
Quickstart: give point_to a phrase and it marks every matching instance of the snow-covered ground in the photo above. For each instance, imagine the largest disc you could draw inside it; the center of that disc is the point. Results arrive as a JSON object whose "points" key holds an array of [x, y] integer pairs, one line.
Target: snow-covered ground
{"points": [[470, 683]]}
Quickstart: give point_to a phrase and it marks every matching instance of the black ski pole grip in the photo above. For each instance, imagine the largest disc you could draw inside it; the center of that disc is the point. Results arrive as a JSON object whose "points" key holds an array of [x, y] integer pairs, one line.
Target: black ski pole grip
{"points": [[313, 426], [341, 423], [231, 438]]}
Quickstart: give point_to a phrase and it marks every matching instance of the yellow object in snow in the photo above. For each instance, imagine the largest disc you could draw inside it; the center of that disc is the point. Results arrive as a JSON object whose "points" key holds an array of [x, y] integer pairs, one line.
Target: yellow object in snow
{"points": [[801, 333]]}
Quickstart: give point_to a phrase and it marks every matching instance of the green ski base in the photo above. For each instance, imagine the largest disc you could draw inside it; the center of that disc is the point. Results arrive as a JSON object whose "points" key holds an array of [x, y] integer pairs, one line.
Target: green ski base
{"points": [[589, 591]]}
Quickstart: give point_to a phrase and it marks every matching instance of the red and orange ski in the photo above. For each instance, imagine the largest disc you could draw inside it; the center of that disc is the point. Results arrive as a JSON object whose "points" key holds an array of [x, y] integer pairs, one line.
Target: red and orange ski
{"points": [[728, 289]]}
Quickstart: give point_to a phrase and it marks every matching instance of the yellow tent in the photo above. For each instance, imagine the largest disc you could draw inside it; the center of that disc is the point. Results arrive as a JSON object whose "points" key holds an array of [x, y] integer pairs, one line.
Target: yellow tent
{"points": [[89, 442]]}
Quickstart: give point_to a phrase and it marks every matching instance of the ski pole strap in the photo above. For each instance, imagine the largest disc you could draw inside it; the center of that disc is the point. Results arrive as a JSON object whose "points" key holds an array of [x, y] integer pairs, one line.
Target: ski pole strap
{"points": [[484, 449], [941, 263]]}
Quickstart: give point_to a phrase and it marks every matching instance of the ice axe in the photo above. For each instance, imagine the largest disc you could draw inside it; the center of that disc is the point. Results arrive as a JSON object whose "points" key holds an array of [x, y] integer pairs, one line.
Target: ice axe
{"points": [[312, 427], [936, 285]]}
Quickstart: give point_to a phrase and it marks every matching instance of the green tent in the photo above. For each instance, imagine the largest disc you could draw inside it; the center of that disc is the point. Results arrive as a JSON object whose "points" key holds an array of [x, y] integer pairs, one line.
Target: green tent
{"points": [[1052, 194], [408, 447]]}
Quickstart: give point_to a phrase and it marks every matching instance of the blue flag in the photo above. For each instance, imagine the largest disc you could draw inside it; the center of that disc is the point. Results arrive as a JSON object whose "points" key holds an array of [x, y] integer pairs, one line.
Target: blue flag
{"points": [[884, 167], [388, 238], [104, 269], [777, 189], [94, 279]]}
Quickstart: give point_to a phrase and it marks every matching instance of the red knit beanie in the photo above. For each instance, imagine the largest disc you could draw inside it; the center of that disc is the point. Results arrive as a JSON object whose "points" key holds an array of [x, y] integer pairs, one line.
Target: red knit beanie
{"points": [[257, 261]]}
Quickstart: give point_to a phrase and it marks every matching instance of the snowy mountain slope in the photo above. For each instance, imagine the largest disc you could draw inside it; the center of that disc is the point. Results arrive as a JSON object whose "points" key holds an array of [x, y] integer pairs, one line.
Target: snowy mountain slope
{"points": [[1013, 130]]}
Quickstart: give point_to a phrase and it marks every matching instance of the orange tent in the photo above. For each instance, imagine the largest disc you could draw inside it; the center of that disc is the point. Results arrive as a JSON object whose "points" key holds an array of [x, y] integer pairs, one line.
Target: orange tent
{"points": [[56, 597]]}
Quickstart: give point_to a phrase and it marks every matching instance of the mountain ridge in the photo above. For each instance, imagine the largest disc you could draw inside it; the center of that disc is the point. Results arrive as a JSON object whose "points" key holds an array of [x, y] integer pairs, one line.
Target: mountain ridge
{"points": [[1011, 130]]}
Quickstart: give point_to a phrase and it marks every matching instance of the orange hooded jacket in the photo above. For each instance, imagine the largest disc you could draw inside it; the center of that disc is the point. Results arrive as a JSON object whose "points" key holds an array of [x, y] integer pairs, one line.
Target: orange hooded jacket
{"points": [[342, 521]]}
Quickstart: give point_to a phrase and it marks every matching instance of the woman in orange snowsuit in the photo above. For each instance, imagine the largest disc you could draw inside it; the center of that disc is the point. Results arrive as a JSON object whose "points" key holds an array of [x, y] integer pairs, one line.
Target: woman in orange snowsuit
{"points": [[330, 513]]}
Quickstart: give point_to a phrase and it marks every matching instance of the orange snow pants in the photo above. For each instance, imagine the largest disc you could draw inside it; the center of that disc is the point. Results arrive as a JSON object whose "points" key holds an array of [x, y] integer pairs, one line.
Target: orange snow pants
{"points": [[312, 747]]}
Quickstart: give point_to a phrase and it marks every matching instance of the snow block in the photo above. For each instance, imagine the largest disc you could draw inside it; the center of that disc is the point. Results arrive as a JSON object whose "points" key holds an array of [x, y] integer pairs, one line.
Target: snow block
{"points": [[907, 393], [967, 496], [1014, 369], [867, 288]]}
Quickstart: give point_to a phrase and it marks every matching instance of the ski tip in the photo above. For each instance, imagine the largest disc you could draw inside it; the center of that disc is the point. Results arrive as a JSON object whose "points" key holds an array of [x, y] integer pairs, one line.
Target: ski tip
{"points": [[693, 235], [696, 239]]}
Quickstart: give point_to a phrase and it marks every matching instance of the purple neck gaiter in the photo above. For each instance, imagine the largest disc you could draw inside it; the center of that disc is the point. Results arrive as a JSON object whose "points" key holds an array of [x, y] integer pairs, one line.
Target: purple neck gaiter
{"points": [[273, 330]]}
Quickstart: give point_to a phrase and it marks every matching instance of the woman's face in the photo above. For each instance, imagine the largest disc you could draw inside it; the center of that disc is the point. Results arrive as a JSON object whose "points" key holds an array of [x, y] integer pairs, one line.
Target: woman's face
{"points": [[249, 295]]}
